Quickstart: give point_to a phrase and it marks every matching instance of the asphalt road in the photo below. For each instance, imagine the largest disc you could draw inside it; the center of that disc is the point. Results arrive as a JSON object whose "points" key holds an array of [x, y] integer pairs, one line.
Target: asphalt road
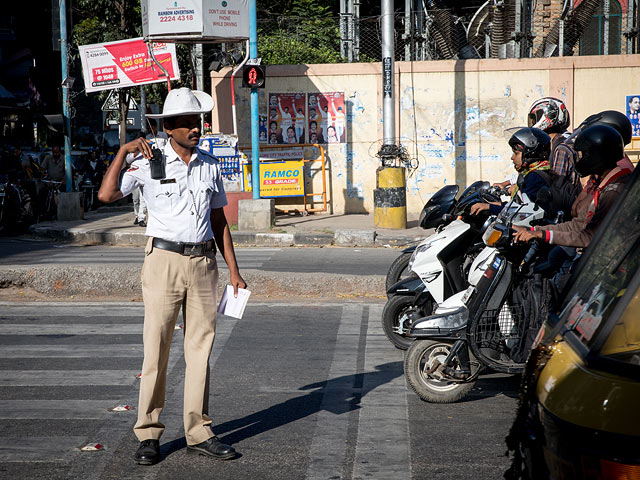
{"points": [[348, 261], [303, 391]]}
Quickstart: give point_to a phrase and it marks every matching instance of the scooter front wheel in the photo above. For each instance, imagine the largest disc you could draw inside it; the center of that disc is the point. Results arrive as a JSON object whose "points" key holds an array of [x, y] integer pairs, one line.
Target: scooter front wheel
{"points": [[420, 368], [398, 270], [397, 316]]}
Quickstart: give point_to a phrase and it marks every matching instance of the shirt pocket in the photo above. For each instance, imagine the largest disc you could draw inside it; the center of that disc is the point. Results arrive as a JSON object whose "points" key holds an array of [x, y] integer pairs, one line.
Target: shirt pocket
{"points": [[164, 196], [206, 190]]}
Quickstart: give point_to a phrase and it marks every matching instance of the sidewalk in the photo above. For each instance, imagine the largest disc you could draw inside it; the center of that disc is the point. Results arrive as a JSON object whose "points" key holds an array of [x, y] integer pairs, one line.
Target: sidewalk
{"points": [[114, 226]]}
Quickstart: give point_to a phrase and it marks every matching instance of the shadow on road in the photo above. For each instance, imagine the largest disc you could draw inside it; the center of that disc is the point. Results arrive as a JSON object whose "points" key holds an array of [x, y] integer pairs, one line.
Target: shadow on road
{"points": [[341, 395]]}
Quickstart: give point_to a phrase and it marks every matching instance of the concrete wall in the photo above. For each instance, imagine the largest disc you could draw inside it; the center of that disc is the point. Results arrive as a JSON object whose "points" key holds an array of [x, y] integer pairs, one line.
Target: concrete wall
{"points": [[450, 115]]}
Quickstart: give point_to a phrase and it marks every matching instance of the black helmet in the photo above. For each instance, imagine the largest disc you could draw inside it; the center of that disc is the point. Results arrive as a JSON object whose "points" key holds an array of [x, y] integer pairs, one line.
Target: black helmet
{"points": [[534, 144], [614, 119], [599, 148]]}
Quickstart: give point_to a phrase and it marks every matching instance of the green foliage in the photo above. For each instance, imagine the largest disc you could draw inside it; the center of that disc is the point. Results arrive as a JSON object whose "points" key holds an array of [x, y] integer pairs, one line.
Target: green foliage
{"points": [[286, 48], [303, 32]]}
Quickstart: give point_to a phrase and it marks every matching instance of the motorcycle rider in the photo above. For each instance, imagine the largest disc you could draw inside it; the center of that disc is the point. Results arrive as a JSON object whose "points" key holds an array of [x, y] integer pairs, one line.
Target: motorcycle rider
{"points": [[551, 115], [599, 148], [618, 121], [531, 148]]}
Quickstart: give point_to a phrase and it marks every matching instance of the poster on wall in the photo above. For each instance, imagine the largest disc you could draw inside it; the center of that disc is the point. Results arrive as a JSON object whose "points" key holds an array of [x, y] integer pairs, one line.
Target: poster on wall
{"points": [[286, 118], [262, 128], [326, 117], [633, 113]]}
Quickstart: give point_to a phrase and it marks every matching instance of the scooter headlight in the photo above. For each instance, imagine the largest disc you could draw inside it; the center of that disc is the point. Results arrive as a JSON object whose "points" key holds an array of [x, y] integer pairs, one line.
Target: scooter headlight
{"points": [[494, 234], [456, 319]]}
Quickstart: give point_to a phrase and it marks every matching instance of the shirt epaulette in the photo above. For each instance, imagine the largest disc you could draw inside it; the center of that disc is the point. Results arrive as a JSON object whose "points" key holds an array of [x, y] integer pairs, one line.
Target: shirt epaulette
{"points": [[208, 154]]}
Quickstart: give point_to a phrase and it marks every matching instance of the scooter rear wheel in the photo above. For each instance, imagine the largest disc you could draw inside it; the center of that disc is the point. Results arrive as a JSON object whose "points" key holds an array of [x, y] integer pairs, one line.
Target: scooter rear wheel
{"points": [[420, 357]]}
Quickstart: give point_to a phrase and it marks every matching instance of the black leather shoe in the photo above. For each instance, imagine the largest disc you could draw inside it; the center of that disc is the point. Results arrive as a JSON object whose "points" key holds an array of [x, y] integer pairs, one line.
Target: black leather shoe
{"points": [[213, 448], [148, 452], [142, 223], [135, 222]]}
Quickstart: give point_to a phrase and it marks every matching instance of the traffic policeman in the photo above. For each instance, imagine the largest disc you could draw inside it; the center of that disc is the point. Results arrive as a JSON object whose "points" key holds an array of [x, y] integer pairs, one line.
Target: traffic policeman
{"points": [[186, 222]]}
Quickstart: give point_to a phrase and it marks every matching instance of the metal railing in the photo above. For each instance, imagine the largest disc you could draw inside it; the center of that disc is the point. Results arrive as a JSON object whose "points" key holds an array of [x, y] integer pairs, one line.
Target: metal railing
{"points": [[497, 30]]}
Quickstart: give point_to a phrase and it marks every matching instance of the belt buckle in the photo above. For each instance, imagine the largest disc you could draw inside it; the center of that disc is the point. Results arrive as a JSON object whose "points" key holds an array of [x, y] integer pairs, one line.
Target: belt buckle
{"points": [[194, 250]]}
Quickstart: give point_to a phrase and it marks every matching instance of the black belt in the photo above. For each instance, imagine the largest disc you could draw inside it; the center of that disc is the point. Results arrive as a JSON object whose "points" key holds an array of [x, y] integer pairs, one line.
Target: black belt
{"points": [[189, 249]]}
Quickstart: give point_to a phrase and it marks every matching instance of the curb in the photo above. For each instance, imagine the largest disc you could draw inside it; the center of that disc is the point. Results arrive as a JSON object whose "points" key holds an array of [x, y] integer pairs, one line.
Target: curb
{"points": [[64, 281], [341, 238]]}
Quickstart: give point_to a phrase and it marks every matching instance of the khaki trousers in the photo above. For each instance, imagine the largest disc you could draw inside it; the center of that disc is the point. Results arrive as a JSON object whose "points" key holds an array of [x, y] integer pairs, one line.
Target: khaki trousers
{"points": [[171, 281]]}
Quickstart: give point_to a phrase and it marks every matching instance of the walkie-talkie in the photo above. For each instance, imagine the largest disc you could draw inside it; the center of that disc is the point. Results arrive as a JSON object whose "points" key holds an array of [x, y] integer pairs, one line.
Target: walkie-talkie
{"points": [[157, 164]]}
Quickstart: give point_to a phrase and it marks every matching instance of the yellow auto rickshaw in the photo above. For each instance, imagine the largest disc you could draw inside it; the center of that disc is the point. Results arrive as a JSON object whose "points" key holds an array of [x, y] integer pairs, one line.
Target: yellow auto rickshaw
{"points": [[579, 411]]}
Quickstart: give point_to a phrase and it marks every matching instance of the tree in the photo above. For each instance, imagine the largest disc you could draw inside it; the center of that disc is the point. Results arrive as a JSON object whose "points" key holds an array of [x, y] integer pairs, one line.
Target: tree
{"points": [[297, 31], [100, 21]]}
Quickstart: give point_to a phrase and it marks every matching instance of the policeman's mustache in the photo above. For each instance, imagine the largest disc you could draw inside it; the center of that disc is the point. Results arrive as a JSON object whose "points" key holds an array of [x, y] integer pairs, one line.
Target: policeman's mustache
{"points": [[194, 135]]}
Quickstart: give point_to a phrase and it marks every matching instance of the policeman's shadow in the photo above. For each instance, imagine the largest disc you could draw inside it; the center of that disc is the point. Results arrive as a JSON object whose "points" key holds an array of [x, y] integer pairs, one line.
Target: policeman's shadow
{"points": [[338, 395]]}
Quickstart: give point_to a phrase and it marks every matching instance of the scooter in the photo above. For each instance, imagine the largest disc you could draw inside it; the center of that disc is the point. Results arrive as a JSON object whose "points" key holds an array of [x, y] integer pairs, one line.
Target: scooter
{"points": [[438, 265], [432, 216], [482, 326]]}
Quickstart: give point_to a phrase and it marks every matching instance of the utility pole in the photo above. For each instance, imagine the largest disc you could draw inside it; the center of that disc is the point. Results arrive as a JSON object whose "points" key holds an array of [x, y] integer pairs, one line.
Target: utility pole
{"points": [[255, 145], [390, 196], [65, 94]]}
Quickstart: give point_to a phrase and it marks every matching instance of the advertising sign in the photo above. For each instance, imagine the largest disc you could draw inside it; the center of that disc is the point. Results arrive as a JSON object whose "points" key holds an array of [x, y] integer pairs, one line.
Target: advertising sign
{"points": [[286, 118], [204, 19], [282, 179], [126, 63], [326, 117]]}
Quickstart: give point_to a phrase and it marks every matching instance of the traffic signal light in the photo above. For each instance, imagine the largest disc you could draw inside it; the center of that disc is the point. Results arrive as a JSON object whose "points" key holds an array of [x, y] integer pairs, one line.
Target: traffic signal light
{"points": [[253, 76]]}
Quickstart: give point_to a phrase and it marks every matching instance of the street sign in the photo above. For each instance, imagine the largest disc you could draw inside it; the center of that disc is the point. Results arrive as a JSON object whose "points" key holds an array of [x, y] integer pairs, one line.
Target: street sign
{"points": [[195, 21], [112, 104]]}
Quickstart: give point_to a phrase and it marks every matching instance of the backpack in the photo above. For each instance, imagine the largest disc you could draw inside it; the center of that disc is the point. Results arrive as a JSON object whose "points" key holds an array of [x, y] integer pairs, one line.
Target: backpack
{"points": [[564, 192]]}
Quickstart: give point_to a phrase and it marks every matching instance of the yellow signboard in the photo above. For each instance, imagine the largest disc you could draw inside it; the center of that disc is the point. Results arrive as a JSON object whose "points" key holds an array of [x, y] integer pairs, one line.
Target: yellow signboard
{"points": [[278, 179]]}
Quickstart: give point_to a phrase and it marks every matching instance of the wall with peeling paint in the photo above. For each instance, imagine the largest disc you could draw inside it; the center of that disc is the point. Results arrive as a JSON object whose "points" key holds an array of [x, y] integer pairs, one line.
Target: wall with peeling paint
{"points": [[450, 115]]}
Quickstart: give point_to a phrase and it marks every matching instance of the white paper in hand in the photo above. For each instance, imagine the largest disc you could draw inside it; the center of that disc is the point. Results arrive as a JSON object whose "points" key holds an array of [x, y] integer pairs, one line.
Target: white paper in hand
{"points": [[233, 306]]}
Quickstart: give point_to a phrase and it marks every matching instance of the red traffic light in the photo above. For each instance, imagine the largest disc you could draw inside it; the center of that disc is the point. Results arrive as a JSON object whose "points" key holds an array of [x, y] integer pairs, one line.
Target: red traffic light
{"points": [[253, 76]]}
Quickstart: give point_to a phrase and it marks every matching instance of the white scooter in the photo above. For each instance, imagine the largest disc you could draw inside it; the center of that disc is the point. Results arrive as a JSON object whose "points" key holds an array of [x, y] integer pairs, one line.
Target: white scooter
{"points": [[438, 265], [478, 326]]}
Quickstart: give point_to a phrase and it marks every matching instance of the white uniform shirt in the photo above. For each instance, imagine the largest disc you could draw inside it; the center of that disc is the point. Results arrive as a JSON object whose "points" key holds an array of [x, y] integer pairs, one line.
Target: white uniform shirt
{"points": [[180, 205]]}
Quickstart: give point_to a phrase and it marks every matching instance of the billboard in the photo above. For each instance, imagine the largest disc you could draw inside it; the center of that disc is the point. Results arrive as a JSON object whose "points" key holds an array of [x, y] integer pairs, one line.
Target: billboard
{"points": [[282, 179], [195, 19], [126, 63]]}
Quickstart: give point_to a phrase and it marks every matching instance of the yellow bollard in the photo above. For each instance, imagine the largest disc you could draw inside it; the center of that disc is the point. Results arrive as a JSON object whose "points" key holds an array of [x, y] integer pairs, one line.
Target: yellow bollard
{"points": [[390, 198]]}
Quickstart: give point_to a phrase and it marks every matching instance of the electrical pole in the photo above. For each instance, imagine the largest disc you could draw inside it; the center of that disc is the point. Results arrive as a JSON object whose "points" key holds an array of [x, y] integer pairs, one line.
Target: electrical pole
{"points": [[390, 196], [255, 145], [65, 95]]}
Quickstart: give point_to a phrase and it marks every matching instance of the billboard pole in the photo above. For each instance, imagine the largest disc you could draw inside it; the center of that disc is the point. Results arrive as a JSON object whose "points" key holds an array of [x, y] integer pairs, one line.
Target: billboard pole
{"points": [[255, 145], [65, 95]]}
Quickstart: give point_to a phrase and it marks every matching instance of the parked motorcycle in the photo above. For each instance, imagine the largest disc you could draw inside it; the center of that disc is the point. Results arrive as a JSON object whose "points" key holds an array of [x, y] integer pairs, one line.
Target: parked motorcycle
{"points": [[483, 326], [16, 207], [89, 193], [439, 264]]}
